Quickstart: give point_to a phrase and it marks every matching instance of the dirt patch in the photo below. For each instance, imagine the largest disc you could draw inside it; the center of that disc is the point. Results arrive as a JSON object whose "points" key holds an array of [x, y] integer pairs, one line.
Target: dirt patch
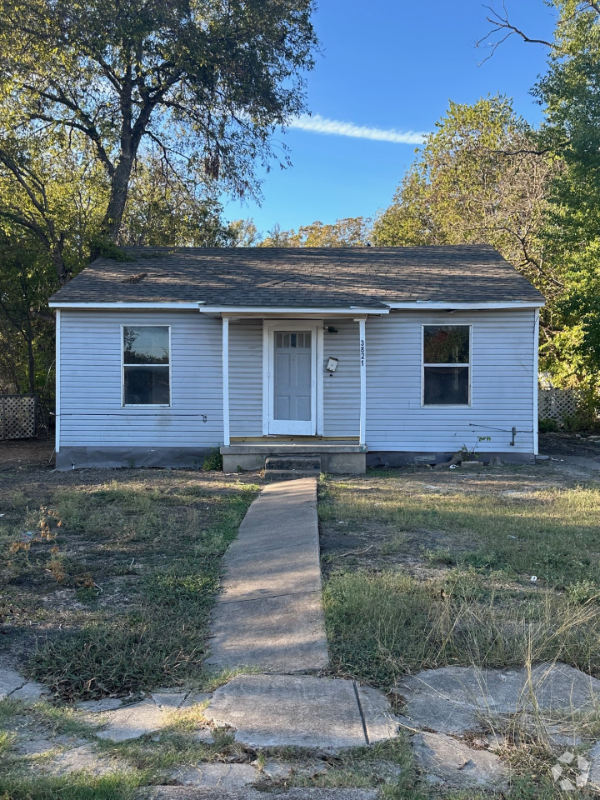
{"points": [[26, 454], [570, 444]]}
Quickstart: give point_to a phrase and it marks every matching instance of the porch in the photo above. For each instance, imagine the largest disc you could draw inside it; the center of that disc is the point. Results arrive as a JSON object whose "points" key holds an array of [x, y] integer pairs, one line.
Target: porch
{"points": [[335, 456], [294, 386]]}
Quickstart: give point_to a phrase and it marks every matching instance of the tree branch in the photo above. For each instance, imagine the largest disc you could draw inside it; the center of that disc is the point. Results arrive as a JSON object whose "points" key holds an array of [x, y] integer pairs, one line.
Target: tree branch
{"points": [[502, 23]]}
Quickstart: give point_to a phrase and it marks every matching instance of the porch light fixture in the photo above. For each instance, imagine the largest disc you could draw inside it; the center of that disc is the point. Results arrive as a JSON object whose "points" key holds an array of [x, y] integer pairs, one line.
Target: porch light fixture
{"points": [[332, 364]]}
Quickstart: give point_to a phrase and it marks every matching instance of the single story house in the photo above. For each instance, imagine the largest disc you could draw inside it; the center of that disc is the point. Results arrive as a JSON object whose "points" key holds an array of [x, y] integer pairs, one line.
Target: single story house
{"points": [[362, 356]]}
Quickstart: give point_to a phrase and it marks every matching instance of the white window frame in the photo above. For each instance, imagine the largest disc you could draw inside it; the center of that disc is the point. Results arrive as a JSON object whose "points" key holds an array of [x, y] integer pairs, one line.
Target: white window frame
{"points": [[469, 365], [123, 365]]}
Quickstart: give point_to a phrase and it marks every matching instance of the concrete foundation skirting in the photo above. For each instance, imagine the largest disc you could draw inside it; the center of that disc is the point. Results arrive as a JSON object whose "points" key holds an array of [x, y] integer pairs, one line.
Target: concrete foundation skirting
{"points": [[334, 463], [391, 458], [116, 457]]}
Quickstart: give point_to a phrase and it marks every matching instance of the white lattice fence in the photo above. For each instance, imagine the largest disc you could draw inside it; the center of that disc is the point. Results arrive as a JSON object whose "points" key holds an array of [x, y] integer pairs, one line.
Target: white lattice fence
{"points": [[558, 404], [17, 416]]}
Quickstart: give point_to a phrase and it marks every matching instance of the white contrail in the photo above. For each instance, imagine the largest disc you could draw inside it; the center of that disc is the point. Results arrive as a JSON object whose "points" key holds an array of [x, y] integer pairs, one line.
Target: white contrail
{"points": [[333, 127]]}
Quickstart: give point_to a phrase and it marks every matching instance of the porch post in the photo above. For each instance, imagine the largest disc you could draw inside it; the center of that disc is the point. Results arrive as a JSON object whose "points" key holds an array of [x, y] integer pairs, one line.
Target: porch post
{"points": [[226, 438], [363, 382]]}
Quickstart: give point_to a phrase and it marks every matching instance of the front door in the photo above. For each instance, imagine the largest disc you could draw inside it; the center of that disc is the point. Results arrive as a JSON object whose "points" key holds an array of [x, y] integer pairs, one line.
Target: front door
{"points": [[293, 381]]}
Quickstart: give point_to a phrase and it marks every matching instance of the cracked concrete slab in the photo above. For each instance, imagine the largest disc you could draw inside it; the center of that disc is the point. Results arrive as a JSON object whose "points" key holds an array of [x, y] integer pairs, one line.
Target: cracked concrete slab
{"points": [[270, 613], [98, 706], [30, 691], [380, 722], [447, 761], [217, 776], [15, 686], [131, 722], [454, 700], [300, 711], [82, 759]]}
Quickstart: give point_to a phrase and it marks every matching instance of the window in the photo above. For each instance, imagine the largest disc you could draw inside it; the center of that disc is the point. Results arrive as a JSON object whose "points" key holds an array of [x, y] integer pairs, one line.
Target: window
{"points": [[446, 365], [146, 365]]}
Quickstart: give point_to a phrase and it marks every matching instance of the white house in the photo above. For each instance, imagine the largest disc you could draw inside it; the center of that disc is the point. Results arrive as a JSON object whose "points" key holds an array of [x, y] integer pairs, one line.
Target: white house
{"points": [[361, 356]]}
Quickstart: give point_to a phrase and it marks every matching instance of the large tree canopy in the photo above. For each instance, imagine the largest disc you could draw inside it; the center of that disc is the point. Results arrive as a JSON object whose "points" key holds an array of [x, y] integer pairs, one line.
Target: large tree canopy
{"points": [[206, 81], [568, 92], [477, 180]]}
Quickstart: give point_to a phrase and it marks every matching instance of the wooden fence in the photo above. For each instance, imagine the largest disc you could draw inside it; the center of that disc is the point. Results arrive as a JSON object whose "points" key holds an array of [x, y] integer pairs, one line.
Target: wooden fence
{"points": [[18, 416]]}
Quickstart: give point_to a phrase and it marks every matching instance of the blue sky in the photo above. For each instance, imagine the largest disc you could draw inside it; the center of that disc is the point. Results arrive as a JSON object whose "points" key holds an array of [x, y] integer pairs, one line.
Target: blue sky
{"points": [[390, 65]]}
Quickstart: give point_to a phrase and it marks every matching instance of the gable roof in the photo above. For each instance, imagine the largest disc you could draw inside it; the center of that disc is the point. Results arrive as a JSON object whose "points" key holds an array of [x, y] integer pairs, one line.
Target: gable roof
{"points": [[369, 277]]}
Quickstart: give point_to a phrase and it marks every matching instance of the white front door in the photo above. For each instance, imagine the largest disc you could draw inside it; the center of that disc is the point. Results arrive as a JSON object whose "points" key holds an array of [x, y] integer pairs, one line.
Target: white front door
{"points": [[292, 379]]}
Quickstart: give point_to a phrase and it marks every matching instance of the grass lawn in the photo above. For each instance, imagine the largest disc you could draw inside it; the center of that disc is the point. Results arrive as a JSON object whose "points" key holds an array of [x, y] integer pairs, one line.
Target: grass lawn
{"points": [[425, 569], [108, 577]]}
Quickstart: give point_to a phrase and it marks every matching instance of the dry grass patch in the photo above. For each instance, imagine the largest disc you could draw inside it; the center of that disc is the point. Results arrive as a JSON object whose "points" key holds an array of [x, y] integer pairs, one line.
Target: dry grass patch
{"points": [[115, 579]]}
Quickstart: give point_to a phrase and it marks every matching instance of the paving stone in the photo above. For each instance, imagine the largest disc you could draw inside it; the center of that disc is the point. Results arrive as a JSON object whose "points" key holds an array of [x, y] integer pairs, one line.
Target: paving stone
{"points": [[594, 773], [98, 706], [204, 735], [169, 700], [451, 762], [34, 747], [131, 722], [288, 710], [278, 769], [380, 722], [188, 793], [196, 698], [217, 776], [455, 699], [82, 759], [29, 692], [10, 681]]}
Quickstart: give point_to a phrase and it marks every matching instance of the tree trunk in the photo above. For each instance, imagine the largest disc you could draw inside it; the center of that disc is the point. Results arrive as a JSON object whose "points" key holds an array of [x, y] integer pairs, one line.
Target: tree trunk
{"points": [[111, 224], [30, 359], [63, 273]]}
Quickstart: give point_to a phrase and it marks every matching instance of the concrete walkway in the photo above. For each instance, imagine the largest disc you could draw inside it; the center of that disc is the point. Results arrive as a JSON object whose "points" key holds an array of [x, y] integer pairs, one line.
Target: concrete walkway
{"points": [[269, 614]]}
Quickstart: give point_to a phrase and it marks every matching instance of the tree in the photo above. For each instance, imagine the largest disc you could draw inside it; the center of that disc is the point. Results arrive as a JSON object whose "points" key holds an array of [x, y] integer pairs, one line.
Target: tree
{"points": [[167, 210], [477, 181], [348, 232], [244, 233], [207, 82], [26, 337], [571, 133]]}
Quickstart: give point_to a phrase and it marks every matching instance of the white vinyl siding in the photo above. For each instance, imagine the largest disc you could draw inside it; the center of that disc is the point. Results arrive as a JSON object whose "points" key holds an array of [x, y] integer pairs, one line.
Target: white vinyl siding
{"points": [[91, 394], [246, 377], [502, 373], [341, 390]]}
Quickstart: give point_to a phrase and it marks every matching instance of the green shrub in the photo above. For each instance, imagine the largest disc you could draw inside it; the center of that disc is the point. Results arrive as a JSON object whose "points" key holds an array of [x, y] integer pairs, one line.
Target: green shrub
{"points": [[213, 461], [548, 425]]}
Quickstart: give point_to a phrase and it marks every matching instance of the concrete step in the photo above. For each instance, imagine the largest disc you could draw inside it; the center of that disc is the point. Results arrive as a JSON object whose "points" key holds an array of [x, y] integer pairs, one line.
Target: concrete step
{"points": [[291, 474], [293, 463], [285, 468]]}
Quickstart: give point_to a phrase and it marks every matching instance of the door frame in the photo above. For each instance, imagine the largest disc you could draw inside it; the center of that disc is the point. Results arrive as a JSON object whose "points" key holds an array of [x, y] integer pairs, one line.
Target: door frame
{"points": [[292, 428]]}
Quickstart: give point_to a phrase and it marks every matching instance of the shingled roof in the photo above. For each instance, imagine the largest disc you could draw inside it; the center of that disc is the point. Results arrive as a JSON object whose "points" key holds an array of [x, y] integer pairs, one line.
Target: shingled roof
{"points": [[302, 277]]}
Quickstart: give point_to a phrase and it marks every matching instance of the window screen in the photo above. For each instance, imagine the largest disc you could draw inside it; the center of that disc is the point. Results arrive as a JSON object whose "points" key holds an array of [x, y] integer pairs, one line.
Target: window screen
{"points": [[146, 366], [446, 365]]}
